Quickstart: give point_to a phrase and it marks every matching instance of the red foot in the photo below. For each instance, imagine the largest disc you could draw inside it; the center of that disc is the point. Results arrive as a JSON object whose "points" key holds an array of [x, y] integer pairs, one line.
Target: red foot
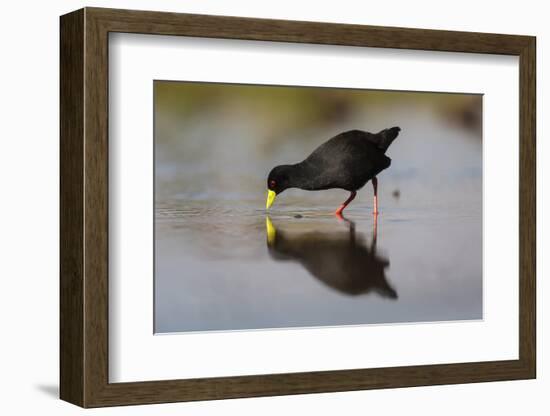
{"points": [[339, 211]]}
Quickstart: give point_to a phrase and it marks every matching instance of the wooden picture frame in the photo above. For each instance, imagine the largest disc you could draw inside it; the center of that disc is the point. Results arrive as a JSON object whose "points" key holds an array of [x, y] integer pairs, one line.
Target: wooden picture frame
{"points": [[84, 207]]}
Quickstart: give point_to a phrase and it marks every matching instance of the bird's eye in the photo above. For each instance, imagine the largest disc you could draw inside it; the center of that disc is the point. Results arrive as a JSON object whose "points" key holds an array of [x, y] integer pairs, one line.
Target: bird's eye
{"points": [[272, 184]]}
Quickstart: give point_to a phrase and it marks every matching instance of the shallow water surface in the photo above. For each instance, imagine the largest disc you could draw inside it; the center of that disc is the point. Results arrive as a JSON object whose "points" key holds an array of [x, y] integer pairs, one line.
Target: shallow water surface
{"points": [[220, 268]]}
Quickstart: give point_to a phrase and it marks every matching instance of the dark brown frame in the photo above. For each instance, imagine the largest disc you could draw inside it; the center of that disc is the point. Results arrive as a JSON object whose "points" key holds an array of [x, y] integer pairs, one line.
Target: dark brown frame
{"points": [[84, 209]]}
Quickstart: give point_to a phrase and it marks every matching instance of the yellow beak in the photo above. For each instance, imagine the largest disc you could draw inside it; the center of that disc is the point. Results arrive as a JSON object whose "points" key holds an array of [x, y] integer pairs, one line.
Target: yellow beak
{"points": [[270, 198], [270, 231]]}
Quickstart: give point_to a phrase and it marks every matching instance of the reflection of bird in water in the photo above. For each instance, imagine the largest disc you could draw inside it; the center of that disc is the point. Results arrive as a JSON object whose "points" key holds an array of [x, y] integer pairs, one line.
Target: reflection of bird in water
{"points": [[341, 260], [347, 161]]}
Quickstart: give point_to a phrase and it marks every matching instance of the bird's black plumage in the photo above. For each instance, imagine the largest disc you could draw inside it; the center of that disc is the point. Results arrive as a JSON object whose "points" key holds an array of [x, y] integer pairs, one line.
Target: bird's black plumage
{"points": [[346, 161]]}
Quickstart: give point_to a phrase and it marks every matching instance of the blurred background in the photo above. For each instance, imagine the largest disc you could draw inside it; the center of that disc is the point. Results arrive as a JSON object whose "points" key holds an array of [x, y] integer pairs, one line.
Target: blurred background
{"points": [[215, 145]]}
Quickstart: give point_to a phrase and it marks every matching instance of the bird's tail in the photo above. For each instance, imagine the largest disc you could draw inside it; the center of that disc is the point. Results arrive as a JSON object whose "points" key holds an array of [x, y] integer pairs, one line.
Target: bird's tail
{"points": [[387, 136]]}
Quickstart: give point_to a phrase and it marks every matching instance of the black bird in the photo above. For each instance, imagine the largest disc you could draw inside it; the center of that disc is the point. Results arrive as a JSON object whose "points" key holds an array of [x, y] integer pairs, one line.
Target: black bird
{"points": [[341, 260], [346, 161]]}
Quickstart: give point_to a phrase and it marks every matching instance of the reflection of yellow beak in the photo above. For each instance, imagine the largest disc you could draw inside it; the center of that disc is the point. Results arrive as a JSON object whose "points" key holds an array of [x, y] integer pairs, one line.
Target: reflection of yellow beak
{"points": [[270, 198], [270, 230]]}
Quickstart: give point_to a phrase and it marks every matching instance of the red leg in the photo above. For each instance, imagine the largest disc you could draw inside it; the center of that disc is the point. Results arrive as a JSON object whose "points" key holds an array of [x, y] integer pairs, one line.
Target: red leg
{"points": [[374, 232], [345, 204], [375, 204]]}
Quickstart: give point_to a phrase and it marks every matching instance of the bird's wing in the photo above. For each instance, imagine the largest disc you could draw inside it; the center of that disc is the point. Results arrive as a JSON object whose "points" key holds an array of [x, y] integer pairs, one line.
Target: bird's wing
{"points": [[333, 159]]}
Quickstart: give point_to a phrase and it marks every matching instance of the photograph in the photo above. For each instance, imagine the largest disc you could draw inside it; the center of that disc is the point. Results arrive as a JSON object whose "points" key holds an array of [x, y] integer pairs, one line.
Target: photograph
{"points": [[280, 207], [279, 204]]}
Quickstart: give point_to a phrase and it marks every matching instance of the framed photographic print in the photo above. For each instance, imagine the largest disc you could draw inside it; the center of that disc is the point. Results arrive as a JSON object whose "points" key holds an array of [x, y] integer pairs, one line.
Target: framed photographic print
{"points": [[255, 207]]}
